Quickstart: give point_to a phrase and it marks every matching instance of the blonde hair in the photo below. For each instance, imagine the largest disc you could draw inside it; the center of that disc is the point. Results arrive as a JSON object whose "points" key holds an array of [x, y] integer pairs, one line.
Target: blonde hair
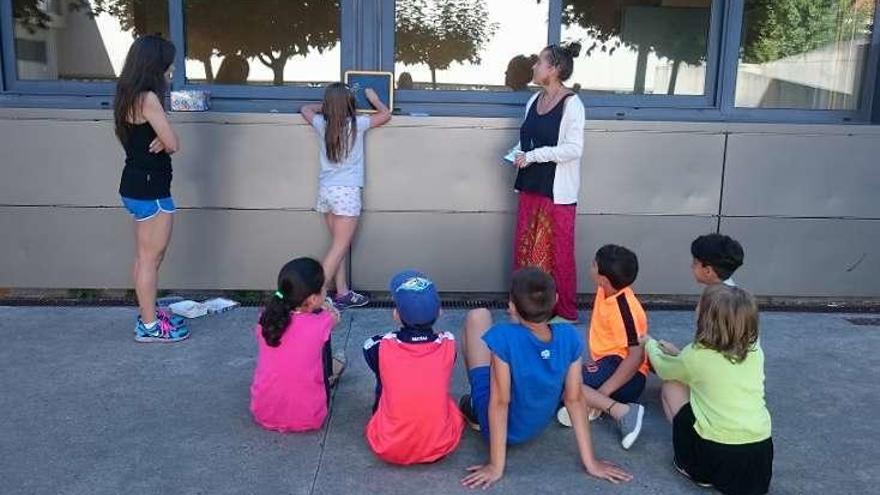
{"points": [[727, 321]]}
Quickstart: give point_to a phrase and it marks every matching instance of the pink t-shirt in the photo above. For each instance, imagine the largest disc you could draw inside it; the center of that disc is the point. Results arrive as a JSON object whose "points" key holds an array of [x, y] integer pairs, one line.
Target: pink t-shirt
{"points": [[288, 392]]}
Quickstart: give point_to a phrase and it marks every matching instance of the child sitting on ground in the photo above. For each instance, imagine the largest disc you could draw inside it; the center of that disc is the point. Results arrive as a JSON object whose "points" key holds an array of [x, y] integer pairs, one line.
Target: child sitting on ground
{"points": [[713, 394], [414, 418], [294, 372], [616, 374], [517, 373]]}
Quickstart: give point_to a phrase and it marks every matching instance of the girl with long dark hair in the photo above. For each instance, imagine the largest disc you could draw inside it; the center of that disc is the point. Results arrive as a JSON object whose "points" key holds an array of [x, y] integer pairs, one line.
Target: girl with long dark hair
{"points": [[149, 141]]}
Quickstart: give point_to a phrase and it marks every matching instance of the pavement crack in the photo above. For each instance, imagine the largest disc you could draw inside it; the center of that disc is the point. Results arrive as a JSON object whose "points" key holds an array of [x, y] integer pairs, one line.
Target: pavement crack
{"points": [[329, 421]]}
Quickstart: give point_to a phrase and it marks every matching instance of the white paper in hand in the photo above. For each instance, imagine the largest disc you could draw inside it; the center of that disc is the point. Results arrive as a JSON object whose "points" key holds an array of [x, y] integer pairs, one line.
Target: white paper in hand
{"points": [[510, 157]]}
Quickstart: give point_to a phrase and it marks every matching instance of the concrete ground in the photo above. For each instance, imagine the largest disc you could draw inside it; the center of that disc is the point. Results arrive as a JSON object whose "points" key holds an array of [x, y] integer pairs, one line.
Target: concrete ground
{"points": [[86, 410]]}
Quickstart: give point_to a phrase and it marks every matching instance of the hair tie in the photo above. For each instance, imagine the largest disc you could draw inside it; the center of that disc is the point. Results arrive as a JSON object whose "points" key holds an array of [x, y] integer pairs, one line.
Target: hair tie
{"points": [[279, 295]]}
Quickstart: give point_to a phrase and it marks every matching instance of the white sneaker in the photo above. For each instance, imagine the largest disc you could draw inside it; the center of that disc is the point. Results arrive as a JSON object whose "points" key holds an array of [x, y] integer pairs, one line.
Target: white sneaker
{"points": [[564, 418]]}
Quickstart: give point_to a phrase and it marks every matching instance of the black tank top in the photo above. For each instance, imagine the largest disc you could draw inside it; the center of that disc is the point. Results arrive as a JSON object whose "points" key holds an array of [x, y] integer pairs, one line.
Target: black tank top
{"points": [[538, 131], [146, 175]]}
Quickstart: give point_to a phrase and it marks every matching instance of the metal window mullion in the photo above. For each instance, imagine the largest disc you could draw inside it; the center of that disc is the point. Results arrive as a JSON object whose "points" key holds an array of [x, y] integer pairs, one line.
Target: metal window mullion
{"points": [[731, 36], [178, 37], [387, 21], [7, 45], [2, 58], [370, 18], [713, 53], [871, 103], [554, 22], [244, 91], [348, 35]]}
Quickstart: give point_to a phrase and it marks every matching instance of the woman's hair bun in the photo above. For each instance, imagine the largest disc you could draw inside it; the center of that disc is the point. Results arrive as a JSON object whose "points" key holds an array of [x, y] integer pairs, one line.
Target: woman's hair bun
{"points": [[573, 49]]}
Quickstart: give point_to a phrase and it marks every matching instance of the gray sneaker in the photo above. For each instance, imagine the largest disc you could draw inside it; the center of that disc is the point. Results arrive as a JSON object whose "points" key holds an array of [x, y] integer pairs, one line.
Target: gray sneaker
{"points": [[631, 425], [350, 300]]}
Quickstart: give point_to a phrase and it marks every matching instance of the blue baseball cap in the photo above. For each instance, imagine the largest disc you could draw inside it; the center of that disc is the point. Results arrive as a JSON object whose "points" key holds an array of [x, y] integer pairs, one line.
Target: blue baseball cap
{"points": [[415, 297]]}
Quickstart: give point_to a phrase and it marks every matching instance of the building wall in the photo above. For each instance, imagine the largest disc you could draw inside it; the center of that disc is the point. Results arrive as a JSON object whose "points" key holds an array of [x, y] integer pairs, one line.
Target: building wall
{"points": [[801, 199]]}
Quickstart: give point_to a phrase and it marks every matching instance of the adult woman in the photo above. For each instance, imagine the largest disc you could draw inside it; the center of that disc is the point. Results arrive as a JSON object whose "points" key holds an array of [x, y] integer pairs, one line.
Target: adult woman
{"points": [[548, 177]]}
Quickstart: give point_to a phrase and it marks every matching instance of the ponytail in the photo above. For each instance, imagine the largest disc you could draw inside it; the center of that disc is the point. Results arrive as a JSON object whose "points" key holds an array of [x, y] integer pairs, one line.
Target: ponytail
{"points": [[299, 279], [275, 318]]}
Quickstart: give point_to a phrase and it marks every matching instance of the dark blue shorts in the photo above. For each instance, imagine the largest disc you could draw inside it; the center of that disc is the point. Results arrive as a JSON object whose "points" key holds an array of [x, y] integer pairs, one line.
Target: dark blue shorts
{"points": [[145, 209], [595, 374], [479, 380]]}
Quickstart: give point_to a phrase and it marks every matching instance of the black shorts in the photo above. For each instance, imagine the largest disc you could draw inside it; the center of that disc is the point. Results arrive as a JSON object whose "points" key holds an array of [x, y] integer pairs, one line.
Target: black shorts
{"points": [[732, 469]]}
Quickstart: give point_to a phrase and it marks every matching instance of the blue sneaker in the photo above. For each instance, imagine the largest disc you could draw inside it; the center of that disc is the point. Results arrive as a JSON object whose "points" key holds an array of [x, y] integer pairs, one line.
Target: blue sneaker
{"points": [[164, 331], [166, 314]]}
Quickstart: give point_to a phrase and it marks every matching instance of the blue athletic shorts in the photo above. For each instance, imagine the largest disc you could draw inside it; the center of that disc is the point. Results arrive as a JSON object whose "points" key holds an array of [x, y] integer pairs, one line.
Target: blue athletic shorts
{"points": [[145, 209], [595, 374], [479, 380]]}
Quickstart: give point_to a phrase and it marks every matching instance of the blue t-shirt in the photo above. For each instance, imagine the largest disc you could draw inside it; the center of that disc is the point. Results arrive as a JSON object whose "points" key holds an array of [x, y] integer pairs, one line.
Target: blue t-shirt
{"points": [[350, 171], [537, 373]]}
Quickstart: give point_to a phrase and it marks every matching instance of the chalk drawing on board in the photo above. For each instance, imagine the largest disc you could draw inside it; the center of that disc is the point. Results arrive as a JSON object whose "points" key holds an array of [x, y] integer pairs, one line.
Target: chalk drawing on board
{"points": [[381, 82]]}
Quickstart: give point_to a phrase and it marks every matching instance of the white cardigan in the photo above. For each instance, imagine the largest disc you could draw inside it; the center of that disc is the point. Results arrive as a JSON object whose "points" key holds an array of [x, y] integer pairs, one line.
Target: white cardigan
{"points": [[567, 152]]}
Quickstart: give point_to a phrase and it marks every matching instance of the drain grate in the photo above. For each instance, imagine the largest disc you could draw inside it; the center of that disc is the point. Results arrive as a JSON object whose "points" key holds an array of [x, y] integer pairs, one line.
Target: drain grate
{"points": [[864, 322], [451, 303]]}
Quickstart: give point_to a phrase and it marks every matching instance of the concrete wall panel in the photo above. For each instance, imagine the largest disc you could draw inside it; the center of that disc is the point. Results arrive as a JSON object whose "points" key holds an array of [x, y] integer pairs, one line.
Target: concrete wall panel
{"points": [[808, 257], [94, 247], [802, 175]]}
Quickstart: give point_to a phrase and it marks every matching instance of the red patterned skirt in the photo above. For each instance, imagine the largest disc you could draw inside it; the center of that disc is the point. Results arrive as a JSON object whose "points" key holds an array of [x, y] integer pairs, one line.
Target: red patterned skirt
{"points": [[545, 238]]}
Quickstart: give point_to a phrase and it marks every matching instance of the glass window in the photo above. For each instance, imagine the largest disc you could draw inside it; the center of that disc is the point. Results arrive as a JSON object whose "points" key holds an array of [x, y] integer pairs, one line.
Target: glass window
{"points": [[805, 54], [262, 42], [639, 46], [468, 44], [81, 39]]}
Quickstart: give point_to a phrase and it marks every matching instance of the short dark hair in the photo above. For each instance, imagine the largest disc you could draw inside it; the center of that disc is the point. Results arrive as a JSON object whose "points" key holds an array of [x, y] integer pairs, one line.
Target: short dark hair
{"points": [[618, 264], [720, 252], [533, 293]]}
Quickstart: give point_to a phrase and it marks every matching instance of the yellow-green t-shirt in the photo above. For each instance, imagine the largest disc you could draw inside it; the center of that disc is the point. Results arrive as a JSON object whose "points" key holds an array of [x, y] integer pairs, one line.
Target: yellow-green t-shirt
{"points": [[727, 398]]}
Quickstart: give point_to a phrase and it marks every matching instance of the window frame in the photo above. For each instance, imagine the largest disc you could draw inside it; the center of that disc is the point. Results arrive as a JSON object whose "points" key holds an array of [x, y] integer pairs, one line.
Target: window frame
{"points": [[862, 114], [42, 87], [177, 35], [705, 101], [590, 99], [367, 37], [246, 91], [426, 98]]}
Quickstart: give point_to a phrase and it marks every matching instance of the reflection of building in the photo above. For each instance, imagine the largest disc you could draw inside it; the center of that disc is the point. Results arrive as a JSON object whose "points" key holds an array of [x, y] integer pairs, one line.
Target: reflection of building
{"points": [[70, 46], [821, 78]]}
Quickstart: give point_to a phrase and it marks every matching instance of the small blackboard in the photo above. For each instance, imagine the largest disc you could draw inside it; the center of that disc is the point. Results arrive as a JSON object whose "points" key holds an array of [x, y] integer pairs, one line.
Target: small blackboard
{"points": [[381, 82]]}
